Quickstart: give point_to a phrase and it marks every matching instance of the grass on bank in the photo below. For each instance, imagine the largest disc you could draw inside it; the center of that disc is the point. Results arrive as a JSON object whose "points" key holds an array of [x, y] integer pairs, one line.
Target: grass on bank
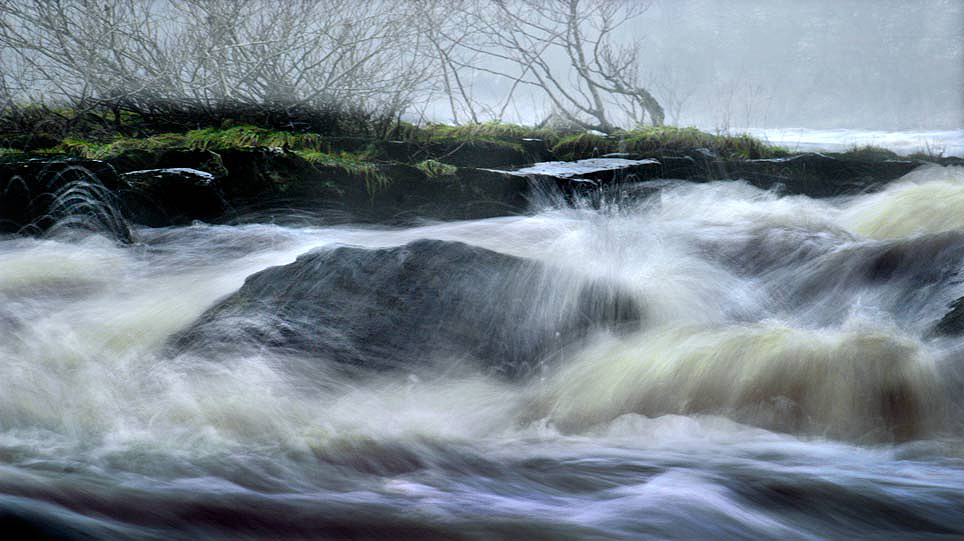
{"points": [[664, 140], [104, 136], [306, 145], [435, 169]]}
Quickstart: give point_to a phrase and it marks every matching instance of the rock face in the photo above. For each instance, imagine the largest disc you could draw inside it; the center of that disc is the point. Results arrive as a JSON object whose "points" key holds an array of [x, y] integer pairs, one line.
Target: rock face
{"points": [[428, 303], [810, 174], [586, 175], [172, 196], [39, 195]]}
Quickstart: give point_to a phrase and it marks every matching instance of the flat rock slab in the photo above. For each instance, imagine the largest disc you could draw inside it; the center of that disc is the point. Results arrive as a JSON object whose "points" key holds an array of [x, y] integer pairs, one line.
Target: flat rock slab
{"points": [[592, 169]]}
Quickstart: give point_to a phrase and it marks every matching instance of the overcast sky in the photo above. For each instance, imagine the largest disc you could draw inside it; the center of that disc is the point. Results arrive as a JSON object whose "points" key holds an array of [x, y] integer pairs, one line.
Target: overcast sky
{"points": [[878, 64]]}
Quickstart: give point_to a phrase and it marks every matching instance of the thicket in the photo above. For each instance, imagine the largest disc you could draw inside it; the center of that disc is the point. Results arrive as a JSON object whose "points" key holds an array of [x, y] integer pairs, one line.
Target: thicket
{"points": [[339, 67]]}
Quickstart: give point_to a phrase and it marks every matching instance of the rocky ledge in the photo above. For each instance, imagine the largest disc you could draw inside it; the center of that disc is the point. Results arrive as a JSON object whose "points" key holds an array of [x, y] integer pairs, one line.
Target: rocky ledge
{"points": [[267, 183]]}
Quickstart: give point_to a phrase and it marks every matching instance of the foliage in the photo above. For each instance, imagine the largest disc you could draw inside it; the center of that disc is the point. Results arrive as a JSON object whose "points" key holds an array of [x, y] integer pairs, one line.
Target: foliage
{"points": [[179, 59], [662, 140], [869, 153], [486, 130], [433, 168], [12, 155]]}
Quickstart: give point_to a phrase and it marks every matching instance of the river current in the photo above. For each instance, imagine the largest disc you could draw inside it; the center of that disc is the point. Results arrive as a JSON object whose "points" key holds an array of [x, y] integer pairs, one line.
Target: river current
{"points": [[786, 383]]}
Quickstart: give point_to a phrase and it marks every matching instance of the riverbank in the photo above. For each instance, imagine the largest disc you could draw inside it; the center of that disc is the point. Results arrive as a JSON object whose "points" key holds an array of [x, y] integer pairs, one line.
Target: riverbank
{"points": [[245, 173]]}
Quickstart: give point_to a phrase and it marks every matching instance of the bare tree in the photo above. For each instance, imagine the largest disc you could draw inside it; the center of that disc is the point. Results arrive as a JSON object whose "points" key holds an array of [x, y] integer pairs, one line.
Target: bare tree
{"points": [[566, 49], [152, 55]]}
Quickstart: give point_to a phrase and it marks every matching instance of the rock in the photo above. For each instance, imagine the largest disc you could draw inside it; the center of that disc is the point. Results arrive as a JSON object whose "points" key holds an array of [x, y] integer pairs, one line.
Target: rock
{"points": [[426, 303], [952, 324], [585, 176], [39, 195], [815, 175], [595, 170], [202, 160], [811, 174], [172, 196], [472, 153], [409, 193]]}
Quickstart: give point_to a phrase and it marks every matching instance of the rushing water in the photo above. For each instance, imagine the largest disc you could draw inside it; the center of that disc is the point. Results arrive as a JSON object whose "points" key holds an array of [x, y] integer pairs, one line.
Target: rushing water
{"points": [[934, 142], [785, 384]]}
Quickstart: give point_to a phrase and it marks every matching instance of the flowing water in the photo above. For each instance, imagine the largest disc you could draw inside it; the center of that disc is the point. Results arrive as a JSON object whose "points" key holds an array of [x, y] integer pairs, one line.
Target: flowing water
{"points": [[785, 383]]}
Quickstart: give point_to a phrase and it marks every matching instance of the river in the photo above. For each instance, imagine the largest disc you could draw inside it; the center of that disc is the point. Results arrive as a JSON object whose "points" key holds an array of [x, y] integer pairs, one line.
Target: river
{"points": [[785, 383]]}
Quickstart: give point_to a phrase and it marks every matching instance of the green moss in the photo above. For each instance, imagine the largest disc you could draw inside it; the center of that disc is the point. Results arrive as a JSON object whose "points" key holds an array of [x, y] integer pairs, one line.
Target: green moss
{"points": [[106, 150], [496, 130], [502, 134], [663, 140], [584, 145], [375, 180], [434, 169], [12, 155], [869, 153]]}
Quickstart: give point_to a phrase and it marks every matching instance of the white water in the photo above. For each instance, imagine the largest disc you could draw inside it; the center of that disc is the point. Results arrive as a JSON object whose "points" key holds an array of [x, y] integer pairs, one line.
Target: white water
{"points": [[934, 142], [775, 391]]}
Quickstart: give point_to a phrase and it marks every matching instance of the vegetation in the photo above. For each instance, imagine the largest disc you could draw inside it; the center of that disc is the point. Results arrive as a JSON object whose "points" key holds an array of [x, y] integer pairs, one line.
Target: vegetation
{"points": [[655, 141], [94, 136], [434, 169], [346, 67], [869, 153]]}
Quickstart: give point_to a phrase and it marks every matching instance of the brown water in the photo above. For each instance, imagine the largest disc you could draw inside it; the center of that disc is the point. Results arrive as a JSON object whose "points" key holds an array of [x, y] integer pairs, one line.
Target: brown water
{"points": [[785, 385]]}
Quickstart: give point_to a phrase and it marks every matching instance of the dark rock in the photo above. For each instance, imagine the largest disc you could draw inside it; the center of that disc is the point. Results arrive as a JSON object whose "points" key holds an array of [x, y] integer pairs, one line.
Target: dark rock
{"points": [[906, 277], [574, 178], [813, 175], [39, 195], [202, 160], [816, 175], [267, 172], [474, 153], [952, 324], [174, 196], [400, 308], [468, 194]]}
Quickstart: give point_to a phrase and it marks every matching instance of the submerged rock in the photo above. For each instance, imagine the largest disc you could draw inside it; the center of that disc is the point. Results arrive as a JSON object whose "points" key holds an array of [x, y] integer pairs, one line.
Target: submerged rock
{"points": [[952, 323], [428, 302]]}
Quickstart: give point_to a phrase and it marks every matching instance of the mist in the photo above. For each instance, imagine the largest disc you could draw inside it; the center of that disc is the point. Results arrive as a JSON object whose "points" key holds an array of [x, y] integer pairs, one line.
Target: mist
{"points": [[884, 65], [473, 270], [717, 65], [730, 65]]}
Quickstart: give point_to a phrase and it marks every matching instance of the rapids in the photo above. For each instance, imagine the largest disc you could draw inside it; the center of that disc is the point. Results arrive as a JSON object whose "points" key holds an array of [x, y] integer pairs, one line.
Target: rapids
{"points": [[786, 382]]}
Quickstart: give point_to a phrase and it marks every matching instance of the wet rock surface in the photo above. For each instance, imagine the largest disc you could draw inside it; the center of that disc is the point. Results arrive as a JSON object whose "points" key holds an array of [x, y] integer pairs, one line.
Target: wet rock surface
{"points": [[428, 303], [486, 180], [171, 196], [952, 324], [38, 195]]}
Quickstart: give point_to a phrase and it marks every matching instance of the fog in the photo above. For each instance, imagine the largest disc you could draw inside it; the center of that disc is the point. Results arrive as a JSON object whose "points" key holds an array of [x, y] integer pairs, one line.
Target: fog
{"points": [[735, 64], [869, 64], [720, 65]]}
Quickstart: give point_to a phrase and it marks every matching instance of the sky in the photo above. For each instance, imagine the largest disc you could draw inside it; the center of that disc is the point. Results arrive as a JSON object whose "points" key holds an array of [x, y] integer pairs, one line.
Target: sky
{"points": [[858, 64], [873, 64]]}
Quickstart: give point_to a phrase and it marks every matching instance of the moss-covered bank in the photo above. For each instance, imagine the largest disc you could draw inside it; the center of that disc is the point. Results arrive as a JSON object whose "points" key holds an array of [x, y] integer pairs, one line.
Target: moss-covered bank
{"points": [[434, 171]]}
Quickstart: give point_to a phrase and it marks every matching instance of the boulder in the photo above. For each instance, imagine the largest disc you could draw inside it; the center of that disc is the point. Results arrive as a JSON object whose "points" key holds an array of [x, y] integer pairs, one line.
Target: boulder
{"points": [[171, 196], [952, 324], [428, 303]]}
